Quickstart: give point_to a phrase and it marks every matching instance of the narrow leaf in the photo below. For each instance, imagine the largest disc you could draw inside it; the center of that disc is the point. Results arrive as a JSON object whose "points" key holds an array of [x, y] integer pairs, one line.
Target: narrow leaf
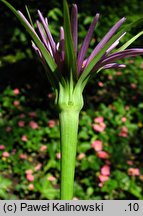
{"points": [[101, 52], [70, 59], [61, 45], [74, 26], [28, 13], [49, 60], [105, 39], [122, 54], [128, 43], [86, 42]]}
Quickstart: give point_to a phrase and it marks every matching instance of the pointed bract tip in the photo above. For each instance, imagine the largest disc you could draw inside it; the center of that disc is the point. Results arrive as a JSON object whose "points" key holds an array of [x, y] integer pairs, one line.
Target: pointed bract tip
{"points": [[39, 12], [61, 28], [97, 15], [75, 6], [123, 19], [74, 9]]}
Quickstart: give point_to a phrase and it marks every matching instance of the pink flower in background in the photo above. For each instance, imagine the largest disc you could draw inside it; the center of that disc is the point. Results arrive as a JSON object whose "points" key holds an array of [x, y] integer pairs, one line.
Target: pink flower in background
{"points": [[2, 147], [16, 91], [22, 115], [133, 172], [28, 172], [124, 132], [30, 177], [58, 155], [31, 187], [51, 123], [33, 124], [99, 119], [13, 151], [99, 127], [38, 167], [43, 148], [32, 114], [130, 162], [51, 178], [97, 145], [133, 85], [8, 129], [5, 154], [123, 119], [127, 107], [100, 184], [24, 138], [16, 103], [23, 156], [21, 123], [100, 84], [105, 170], [102, 155], [103, 178], [119, 73], [110, 77], [108, 162], [131, 61], [81, 156]]}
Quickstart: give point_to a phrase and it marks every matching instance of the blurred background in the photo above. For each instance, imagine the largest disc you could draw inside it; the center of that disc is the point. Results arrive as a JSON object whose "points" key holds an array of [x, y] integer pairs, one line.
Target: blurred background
{"points": [[109, 153]]}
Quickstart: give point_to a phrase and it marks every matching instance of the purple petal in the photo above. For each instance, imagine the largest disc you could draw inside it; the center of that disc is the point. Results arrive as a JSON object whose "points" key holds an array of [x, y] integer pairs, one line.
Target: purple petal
{"points": [[74, 25], [113, 46], [122, 54], [43, 36], [106, 38], [86, 42], [117, 56], [51, 43], [37, 51], [24, 18], [49, 36], [62, 53], [114, 65]]}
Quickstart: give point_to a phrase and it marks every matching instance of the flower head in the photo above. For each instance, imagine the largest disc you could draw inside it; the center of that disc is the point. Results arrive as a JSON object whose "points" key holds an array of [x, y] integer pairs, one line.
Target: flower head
{"points": [[133, 171], [16, 91], [24, 138], [30, 177], [43, 148], [5, 154], [103, 178], [97, 145], [105, 170], [2, 147], [102, 155], [62, 59], [33, 124]]}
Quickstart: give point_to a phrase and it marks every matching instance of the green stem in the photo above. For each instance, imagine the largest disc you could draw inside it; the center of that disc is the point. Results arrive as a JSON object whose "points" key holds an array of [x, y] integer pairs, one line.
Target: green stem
{"points": [[68, 129]]}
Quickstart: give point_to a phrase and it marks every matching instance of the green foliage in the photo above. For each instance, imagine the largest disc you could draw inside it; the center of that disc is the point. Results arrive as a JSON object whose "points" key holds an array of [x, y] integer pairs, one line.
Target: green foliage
{"points": [[4, 187], [32, 141]]}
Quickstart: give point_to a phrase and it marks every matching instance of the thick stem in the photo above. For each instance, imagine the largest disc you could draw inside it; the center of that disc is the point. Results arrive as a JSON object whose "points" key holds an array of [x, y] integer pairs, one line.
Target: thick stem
{"points": [[68, 129]]}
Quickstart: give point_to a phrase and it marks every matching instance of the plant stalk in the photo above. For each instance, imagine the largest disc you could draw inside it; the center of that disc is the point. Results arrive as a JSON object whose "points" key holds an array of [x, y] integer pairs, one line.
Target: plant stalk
{"points": [[69, 120]]}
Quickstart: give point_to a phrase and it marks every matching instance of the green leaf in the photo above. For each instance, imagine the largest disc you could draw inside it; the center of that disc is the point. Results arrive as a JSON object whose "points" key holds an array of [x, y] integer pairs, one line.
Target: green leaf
{"points": [[128, 43], [28, 13], [85, 75], [69, 47], [52, 65]]}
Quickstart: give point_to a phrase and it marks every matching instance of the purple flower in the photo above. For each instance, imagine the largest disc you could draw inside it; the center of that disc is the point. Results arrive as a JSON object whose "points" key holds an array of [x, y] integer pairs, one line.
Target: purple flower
{"points": [[56, 50], [63, 57]]}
